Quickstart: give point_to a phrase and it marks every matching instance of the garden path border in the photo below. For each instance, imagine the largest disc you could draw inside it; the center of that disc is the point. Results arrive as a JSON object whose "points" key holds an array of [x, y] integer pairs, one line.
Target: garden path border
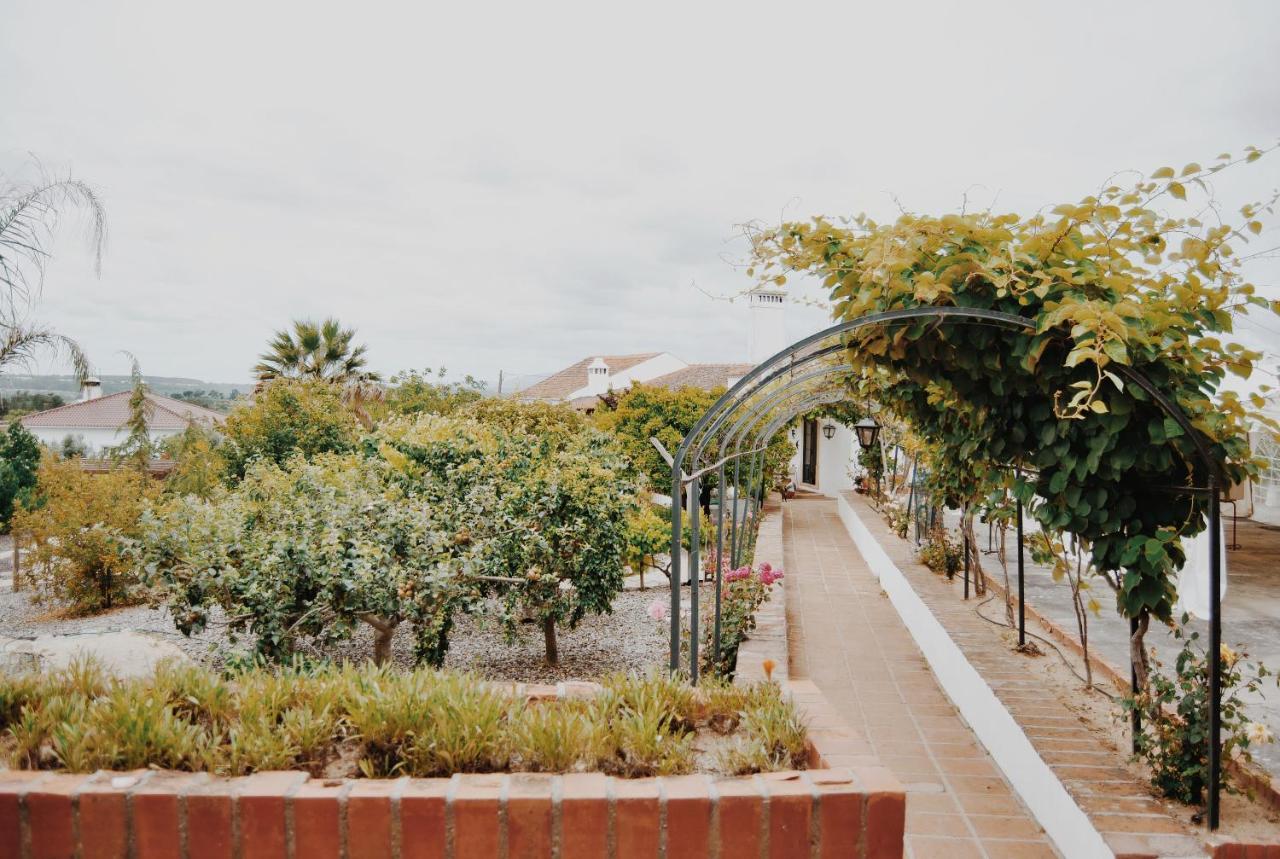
{"points": [[1040, 789]]}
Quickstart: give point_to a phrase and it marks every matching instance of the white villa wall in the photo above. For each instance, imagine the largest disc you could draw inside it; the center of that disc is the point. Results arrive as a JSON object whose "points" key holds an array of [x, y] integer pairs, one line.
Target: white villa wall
{"points": [[94, 440], [835, 457]]}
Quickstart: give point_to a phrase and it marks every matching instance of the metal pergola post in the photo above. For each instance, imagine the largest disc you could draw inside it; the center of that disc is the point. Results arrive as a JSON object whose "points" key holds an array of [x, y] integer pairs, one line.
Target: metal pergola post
{"points": [[1022, 602], [1215, 652]]}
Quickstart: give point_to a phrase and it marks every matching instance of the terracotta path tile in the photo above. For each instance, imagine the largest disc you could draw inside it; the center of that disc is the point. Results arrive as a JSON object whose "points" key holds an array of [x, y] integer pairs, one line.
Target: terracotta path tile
{"points": [[846, 637]]}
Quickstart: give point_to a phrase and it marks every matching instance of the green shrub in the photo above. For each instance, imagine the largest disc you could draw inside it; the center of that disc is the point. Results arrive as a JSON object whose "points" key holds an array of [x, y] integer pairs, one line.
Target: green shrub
{"points": [[389, 722], [1175, 717], [306, 553], [19, 461], [897, 517], [81, 527], [940, 553], [287, 418]]}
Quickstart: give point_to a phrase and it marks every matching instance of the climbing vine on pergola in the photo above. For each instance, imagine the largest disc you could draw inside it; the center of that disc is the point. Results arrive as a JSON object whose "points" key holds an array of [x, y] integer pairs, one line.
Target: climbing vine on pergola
{"points": [[1112, 281], [1092, 360]]}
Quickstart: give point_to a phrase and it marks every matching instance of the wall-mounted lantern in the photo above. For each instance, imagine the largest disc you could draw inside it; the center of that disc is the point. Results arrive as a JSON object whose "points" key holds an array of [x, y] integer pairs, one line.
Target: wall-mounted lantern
{"points": [[867, 430], [829, 430]]}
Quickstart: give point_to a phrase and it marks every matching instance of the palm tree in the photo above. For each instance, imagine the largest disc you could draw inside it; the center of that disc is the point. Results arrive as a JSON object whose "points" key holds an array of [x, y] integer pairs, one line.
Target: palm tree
{"points": [[29, 215], [315, 351]]}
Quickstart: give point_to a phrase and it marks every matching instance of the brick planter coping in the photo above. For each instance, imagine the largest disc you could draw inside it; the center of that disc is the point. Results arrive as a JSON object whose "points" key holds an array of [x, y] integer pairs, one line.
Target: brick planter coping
{"points": [[846, 805]]}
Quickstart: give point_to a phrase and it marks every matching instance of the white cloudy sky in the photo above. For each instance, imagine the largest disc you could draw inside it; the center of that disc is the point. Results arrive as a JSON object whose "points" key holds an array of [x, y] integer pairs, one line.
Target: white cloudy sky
{"points": [[513, 186]]}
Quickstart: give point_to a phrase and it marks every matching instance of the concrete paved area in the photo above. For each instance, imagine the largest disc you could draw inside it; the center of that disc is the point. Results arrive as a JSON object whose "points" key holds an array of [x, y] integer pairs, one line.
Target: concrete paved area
{"points": [[847, 638], [123, 653]]}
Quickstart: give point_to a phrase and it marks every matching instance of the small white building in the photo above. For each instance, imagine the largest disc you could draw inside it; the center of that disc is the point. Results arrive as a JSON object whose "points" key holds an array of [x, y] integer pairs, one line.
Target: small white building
{"points": [[96, 422]]}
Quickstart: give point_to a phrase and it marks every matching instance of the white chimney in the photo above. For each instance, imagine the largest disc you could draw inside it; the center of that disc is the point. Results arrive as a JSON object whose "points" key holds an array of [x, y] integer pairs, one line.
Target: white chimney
{"points": [[598, 378], [768, 335], [90, 389]]}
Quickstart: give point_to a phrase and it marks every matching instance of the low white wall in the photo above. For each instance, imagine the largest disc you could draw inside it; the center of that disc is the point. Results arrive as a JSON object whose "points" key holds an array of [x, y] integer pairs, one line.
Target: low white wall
{"points": [[1044, 795]]}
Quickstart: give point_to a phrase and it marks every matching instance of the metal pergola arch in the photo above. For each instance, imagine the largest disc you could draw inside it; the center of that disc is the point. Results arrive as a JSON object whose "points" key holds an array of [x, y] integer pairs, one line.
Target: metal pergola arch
{"points": [[780, 371], [745, 427]]}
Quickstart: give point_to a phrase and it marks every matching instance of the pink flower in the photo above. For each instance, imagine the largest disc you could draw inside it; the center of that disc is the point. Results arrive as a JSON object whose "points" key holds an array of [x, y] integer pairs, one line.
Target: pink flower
{"points": [[765, 568], [658, 610], [738, 574], [768, 575]]}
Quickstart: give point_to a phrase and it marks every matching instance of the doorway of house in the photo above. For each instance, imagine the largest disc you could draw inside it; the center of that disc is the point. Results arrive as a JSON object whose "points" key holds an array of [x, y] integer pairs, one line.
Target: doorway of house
{"points": [[809, 453]]}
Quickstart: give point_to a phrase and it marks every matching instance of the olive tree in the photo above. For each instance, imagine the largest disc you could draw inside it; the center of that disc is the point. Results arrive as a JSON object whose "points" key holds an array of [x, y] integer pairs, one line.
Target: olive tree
{"points": [[309, 549], [543, 498]]}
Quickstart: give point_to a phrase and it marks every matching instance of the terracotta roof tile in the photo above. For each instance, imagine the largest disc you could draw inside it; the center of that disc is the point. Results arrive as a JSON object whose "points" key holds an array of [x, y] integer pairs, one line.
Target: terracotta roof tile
{"points": [[705, 376], [559, 386], [112, 412]]}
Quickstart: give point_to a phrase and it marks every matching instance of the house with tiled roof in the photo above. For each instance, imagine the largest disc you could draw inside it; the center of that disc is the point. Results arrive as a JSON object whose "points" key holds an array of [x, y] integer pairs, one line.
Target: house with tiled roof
{"points": [[584, 382], [96, 422]]}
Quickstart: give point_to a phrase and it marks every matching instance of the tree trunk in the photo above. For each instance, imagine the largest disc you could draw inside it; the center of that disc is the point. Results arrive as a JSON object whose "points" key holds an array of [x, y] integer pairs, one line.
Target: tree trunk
{"points": [[1082, 613], [1004, 566], [1138, 653], [549, 638], [384, 631], [976, 572]]}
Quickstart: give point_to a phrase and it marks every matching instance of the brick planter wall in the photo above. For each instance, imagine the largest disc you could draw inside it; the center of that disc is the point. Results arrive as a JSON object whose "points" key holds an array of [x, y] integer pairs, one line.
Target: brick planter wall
{"points": [[842, 812], [845, 805]]}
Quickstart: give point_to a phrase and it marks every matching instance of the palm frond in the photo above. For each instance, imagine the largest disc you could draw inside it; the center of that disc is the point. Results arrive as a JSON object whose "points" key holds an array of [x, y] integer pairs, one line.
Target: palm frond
{"points": [[20, 344], [29, 217]]}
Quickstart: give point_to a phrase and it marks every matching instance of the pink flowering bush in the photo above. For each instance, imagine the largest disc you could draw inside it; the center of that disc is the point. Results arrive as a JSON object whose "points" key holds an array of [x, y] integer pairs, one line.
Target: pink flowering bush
{"points": [[744, 591]]}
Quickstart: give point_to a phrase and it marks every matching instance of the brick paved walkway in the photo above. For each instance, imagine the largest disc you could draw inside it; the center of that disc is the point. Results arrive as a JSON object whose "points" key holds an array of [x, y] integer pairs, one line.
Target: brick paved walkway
{"points": [[847, 638], [1120, 805]]}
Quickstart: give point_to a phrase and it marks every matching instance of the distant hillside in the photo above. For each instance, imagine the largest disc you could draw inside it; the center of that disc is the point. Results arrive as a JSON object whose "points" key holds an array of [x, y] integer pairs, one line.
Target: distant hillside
{"points": [[69, 389]]}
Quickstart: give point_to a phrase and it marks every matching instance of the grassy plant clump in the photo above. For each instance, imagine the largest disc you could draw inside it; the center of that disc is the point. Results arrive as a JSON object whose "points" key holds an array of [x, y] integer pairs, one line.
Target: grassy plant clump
{"points": [[346, 721], [770, 737]]}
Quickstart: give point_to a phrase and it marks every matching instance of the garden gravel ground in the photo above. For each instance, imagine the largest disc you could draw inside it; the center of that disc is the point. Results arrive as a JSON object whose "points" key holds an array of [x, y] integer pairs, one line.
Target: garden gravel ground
{"points": [[628, 640]]}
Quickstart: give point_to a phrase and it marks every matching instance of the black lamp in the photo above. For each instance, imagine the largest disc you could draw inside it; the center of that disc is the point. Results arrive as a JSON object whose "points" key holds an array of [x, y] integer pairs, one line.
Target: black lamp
{"points": [[867, 430], [829, 430]]}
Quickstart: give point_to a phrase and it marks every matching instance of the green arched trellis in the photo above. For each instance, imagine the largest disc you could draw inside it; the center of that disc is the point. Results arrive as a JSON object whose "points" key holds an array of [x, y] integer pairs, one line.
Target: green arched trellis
{"points": [[764, 392]]}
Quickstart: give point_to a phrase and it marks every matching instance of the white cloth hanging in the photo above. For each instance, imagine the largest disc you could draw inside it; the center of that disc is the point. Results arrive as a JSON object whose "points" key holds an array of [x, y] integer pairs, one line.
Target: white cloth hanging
{"points": [[1193, 579]]}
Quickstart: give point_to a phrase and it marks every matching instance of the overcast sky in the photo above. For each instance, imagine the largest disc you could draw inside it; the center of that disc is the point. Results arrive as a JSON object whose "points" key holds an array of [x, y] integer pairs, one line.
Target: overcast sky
{"points": [[517, 186]]}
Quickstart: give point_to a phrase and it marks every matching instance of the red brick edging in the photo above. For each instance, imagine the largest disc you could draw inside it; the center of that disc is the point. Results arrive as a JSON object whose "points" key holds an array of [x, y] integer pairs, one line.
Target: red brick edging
{"points": [[842, 812], [846, 805]]}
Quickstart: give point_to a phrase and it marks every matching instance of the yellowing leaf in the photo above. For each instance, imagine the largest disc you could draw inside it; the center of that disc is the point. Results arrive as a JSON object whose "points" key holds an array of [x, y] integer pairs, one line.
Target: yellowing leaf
{"points": [[1163, 173], [1176, 189], [1193, 167]]}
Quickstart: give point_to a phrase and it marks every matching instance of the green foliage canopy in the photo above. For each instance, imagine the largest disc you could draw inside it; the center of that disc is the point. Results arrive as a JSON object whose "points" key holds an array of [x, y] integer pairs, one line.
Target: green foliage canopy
{"points": [[1112, 279], [19, 460], [289, 417]]}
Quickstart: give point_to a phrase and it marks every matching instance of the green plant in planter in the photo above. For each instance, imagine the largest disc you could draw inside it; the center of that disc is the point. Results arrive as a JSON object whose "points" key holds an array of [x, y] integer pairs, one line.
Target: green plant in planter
{"points": [[940, 553], [1175, 717], [897, 517]]}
